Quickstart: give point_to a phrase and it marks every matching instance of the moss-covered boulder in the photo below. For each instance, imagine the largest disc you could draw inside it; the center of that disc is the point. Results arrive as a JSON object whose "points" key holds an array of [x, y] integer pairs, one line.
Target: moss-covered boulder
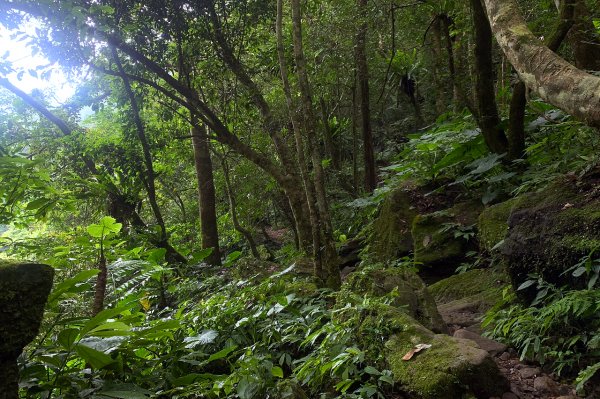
{"points": [[389, 234], [463, 298], [450, 368], [486, 283], [492, 225], [24, 289], [404, 287], [441, 239], [551, 230]]}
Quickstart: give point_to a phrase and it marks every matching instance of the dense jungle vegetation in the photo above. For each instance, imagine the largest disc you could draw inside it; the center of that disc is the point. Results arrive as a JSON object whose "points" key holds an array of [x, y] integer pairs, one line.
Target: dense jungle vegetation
{"points": [[300, 199]]}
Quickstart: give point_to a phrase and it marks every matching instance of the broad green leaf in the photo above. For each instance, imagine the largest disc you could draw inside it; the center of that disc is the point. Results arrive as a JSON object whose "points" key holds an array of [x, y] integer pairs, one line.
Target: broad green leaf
{"points": [[277, 371], [67, 337], [70, 284], [526, 284], [110, 329], [95, 358], [199, 256], [222, 353], [104, 315]]}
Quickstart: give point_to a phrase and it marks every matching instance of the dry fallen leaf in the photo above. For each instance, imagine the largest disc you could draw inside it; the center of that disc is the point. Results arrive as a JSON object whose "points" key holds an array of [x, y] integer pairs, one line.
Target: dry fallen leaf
{"points": [[567, 206], [415, 349]]}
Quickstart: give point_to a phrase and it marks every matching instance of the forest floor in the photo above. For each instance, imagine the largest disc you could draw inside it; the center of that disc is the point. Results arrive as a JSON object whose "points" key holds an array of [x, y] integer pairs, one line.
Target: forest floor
{"points": [[527, 381]]}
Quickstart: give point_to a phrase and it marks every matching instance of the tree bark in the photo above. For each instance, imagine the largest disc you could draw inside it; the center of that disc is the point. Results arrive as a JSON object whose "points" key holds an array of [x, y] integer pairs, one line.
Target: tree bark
{"points": [[436, 53], [551, 77], [586, 47], [206, 195], [327, 263], [487, 110], [303, 166], [150, 176], [101, 279], [518, 102], [362, 69]]}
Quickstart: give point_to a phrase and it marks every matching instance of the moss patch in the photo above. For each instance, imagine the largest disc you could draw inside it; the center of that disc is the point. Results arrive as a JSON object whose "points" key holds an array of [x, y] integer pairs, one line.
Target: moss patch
{"points": [[486, 282], [389, 234], [24, 289], [449, 369], [404, 287], [550, 231], [435, 243], [492, 225]]}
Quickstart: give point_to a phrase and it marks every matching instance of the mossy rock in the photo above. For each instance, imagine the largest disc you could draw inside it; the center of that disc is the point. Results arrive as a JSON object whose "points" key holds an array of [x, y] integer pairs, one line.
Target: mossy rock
{"points": [[435, 242], [450, 368], [24, 289], [406, 289], [289, 389], [252, 268], [389, 234], [492, 225], [487, 283], [551, 230]]}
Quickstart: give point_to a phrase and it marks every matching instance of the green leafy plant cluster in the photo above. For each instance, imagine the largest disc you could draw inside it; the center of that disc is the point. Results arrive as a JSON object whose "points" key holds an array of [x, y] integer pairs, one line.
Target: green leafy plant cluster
{"points": [[195, 332], [559, 329]]}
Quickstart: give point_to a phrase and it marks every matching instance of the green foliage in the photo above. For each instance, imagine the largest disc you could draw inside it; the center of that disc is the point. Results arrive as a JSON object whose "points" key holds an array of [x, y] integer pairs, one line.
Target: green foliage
{"points": [[561, 328]]}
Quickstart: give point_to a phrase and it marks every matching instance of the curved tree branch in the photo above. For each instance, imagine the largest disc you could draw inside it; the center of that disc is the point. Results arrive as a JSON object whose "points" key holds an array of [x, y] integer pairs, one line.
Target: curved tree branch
{"points": [[551, 77]]}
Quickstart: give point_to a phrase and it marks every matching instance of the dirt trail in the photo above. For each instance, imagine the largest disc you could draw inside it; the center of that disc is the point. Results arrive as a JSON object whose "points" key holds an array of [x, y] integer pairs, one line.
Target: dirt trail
{"points": [[527, 381]]}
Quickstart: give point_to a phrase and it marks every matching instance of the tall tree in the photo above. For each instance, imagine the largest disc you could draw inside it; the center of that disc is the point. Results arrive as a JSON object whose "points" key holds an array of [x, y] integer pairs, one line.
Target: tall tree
{"points": [[362, 72], [487, 110]]}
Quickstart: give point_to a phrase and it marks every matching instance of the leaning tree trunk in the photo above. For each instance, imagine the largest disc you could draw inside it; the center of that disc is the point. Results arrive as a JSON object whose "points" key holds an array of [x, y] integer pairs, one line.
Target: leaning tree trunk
{"points": [[551, 77], [518, 102]]}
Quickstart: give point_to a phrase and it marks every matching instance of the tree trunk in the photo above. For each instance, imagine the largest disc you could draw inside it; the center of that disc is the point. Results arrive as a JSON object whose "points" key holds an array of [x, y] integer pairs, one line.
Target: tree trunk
{"points": [[101, 279], [487, 110], [206, 195], [364, 101], [551, 77], [303, 166], [583, 38], [327, 262], [436, 53], [516, 122]]}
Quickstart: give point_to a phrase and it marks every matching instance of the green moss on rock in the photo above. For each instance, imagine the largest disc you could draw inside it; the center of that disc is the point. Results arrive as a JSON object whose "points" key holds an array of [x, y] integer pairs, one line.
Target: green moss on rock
{"points": [[485, 282], [492, 225], [450, 368], [551, 230], [389, 234], [24, 289], [405, 288], [435, 243]]}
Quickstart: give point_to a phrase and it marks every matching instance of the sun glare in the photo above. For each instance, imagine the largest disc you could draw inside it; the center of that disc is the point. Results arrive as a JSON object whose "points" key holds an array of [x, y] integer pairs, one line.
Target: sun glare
{"points": [[23, 64]]}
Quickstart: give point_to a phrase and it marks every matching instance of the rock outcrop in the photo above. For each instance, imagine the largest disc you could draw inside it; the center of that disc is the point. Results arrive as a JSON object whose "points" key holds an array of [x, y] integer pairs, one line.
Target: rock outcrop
{"points": [[24, 289]]}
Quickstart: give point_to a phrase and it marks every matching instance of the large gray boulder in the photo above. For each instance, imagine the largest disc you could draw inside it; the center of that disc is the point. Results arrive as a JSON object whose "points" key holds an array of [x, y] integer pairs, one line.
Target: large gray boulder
{"points": [[24, 289]]}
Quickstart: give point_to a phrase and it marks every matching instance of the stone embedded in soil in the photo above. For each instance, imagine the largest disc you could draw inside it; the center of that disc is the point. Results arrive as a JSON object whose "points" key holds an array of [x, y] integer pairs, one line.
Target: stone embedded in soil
{"points": [[509, 395], [529, 372], [544, 384], [486, 344]]}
